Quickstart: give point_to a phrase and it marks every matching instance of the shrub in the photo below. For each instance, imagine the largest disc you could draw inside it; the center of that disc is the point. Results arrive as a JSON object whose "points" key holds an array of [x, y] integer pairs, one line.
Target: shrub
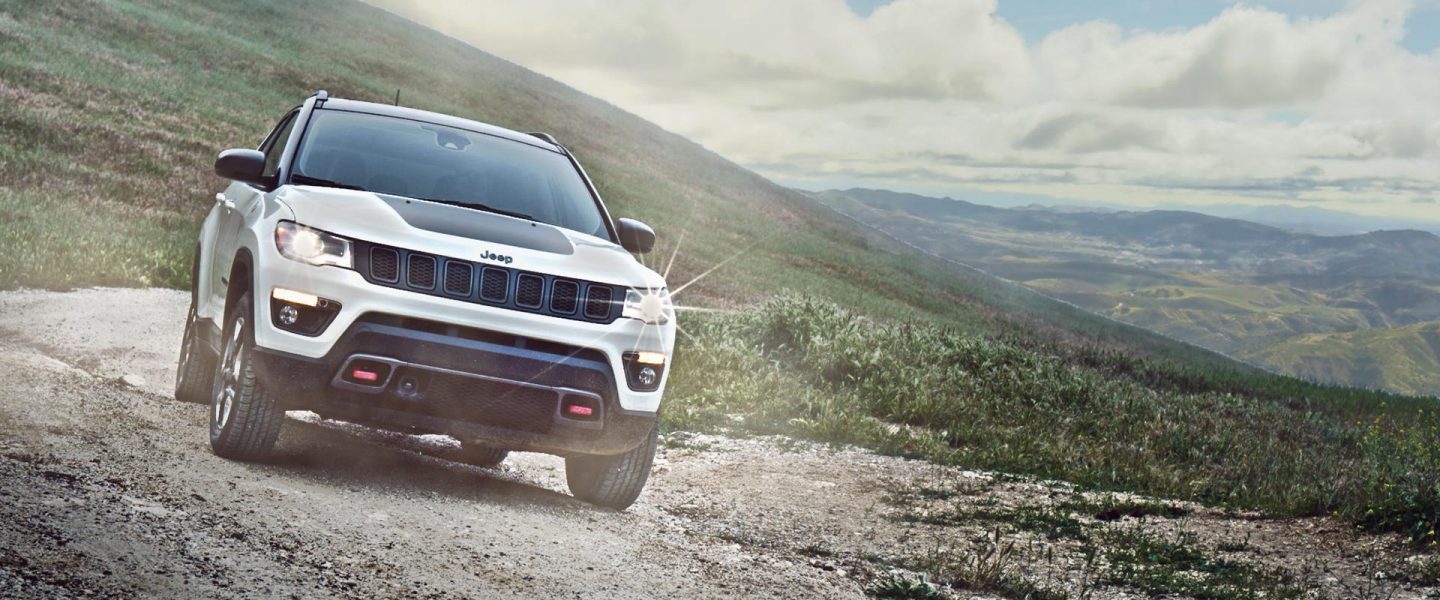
{"points": [[1401, 478]]}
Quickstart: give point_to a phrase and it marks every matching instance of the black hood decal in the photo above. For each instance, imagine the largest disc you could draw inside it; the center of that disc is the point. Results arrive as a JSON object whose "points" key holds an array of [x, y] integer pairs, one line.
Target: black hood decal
{"points": [[479, 225]]}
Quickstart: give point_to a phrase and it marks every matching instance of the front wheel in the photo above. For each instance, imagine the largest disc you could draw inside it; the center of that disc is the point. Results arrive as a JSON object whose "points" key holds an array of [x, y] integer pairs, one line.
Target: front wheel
{"points": [[244, 418], [612, 481]]}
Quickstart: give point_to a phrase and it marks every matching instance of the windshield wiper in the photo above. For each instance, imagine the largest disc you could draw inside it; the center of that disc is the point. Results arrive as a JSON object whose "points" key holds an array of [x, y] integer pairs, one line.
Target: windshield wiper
{"points": [[303, 179], [482, 207]]}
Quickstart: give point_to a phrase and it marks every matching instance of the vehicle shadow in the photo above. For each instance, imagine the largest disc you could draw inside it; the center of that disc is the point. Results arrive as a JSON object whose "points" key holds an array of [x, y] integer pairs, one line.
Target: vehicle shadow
{"points": [[355, 457]]}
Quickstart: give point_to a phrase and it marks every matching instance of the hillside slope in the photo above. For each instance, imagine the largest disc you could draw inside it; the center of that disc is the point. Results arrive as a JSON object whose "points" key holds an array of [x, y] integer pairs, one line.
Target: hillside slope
{"points": [[113, 111], [1400, 358]]}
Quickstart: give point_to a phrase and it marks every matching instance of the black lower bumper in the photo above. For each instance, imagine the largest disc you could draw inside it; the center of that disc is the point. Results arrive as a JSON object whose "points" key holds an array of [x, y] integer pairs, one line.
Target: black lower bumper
{"points": [[490, 389]]}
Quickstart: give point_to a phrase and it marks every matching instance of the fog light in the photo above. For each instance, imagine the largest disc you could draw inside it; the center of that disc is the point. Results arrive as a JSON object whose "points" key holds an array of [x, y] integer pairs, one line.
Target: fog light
{"points": [[644, 370], [647, 377], [301, 312]]}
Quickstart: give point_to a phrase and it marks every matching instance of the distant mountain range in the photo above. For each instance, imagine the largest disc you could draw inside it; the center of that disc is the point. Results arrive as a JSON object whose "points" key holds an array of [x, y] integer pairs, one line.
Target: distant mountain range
{"points": [[1319, 220], [1303, 219], [1342, 308]]}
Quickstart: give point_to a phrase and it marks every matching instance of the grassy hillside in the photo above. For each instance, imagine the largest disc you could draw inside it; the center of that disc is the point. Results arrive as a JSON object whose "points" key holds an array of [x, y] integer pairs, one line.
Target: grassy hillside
{"points": [[1099, 420], [1396, 358], [111, 112]]}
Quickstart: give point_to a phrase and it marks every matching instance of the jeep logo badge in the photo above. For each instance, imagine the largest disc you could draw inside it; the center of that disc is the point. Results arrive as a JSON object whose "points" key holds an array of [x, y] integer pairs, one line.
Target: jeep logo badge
{"points": [[500, 258]]}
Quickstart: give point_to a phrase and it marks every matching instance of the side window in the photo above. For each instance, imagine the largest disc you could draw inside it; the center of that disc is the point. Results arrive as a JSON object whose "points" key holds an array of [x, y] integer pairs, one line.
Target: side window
{"points": [[274, 146]]}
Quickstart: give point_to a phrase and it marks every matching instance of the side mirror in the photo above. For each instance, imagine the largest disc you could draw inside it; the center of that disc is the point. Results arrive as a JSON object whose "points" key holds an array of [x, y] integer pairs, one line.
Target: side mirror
{"points": [[635, 236], [242, 164]]}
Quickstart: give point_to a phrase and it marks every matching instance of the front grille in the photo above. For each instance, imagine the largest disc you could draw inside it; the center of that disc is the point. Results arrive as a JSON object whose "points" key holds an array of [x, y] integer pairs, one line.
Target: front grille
{"points": [[492, 403], [564, 296], [529, 290], [458, 278], [597, 301], [385, 265], [497, 286], [494, 284], [420, 272]]}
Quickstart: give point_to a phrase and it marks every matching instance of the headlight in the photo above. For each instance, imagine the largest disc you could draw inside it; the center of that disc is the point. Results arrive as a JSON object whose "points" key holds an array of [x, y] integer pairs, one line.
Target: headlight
{"points": [[650, 306], [312, 246]]}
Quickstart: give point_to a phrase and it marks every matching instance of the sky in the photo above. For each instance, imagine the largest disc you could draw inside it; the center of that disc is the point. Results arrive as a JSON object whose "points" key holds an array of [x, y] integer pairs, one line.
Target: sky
{"points": [[1147, 103]]}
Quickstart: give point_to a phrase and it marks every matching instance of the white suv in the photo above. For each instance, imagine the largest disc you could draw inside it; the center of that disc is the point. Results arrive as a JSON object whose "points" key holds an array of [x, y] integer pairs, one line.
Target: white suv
{"points": [[428, 274]]}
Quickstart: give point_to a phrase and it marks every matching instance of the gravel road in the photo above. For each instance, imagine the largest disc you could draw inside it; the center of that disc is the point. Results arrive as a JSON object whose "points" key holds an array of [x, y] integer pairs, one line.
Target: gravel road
{"points": [[108, 487]]}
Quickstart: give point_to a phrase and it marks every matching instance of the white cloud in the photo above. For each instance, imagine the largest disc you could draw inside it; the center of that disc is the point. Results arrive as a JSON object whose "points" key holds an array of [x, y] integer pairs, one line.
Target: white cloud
{"points": [[1244, 58], [798, 52], [929, 95]]}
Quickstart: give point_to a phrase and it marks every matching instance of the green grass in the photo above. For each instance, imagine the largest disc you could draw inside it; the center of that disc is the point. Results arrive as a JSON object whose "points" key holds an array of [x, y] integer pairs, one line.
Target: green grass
{"points": [[64, 244], [1056, 520], [1177, 565], [1401, 470], [895, 586]]}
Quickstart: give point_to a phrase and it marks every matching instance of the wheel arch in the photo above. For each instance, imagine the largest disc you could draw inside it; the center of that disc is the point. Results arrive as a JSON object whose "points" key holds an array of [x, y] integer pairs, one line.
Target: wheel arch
{"points": [[242, 279]]}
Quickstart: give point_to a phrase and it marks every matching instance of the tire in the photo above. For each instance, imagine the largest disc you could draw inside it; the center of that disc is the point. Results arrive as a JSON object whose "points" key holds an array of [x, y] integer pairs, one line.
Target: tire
{"points": [[244, 419], [195, 369], [482, 456], [612, 481]]}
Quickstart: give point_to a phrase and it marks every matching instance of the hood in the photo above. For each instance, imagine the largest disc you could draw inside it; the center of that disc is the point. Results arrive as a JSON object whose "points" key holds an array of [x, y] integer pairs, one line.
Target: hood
{"points": [[467, 234]]}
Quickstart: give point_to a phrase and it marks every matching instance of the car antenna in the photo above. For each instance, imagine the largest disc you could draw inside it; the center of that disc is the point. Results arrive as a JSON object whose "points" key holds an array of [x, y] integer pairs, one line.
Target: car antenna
{"points": [[397, 96]]}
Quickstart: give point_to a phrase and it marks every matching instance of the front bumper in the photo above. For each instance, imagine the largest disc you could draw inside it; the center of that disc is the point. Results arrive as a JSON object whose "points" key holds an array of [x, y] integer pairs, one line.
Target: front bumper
{"points": [[358, 297], [474, 385]]}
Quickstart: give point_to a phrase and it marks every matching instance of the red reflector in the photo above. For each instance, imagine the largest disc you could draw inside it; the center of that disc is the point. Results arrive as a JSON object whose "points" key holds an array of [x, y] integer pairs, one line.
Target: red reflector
{"points": [[584, 411], [363, 375]]}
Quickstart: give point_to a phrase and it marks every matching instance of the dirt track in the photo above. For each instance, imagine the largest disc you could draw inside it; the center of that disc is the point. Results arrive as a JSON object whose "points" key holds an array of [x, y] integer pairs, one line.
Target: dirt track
{"points": [[109, 486]]}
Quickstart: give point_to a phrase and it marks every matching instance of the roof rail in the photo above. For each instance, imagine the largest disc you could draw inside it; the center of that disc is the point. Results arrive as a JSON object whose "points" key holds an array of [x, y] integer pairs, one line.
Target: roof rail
{"points": [[545, 136], [321, 96]]}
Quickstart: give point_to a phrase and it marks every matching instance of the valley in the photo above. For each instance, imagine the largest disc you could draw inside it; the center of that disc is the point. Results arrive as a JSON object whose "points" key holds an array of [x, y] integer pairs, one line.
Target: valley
{"points": [[1328, 308]]}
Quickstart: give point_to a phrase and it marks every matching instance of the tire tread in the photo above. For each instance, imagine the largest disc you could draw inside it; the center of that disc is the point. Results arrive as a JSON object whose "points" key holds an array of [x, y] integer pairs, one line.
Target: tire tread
{"points": [[256, 418], [482, 456], [197, 363], [612, 481]]}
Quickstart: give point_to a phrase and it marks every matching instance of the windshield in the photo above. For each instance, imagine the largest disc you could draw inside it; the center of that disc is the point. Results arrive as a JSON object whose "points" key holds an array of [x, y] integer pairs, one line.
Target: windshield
{"points": [[402, 157]]}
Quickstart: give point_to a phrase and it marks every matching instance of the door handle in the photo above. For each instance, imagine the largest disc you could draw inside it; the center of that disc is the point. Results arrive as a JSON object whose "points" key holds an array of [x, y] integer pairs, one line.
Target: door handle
{"points": [[223, 201]]}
